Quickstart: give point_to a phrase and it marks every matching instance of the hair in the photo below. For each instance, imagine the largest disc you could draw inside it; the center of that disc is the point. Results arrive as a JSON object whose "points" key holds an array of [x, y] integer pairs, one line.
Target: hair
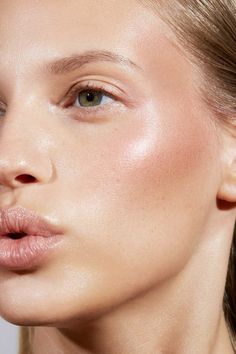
{"points": [[206, 29]]}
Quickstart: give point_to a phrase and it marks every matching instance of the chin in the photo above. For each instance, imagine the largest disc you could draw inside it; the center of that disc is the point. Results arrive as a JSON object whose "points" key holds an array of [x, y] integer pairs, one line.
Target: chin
{"points": [[27, 307], [33, 317]]}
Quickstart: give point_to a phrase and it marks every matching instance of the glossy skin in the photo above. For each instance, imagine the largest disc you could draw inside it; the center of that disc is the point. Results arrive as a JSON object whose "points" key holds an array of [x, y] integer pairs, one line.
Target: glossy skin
{"points": [[133, 183]]}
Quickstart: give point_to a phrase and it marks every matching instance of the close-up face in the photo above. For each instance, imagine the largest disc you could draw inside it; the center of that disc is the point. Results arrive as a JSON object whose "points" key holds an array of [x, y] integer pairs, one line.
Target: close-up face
{"points": [[105, 113]]}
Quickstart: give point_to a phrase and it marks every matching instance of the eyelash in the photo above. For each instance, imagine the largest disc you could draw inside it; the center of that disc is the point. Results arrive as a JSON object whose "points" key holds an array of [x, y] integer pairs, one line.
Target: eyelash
{"points": [[88, 86]]}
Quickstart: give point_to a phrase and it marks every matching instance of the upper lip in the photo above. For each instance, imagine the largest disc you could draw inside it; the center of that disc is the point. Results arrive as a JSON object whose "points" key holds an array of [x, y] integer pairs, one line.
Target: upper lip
{"points": [[20, 220]]}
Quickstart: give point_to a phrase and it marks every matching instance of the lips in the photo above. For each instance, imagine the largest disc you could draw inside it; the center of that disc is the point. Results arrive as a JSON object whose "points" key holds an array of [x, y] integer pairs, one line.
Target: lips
{"points": [[26, 239], [18, 222]]}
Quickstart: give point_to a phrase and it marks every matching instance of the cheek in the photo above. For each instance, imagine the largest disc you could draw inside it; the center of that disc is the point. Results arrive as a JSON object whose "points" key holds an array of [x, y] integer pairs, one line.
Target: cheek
{"points": [[160, 182], [162, 151], [154, 161], [148, 177]]}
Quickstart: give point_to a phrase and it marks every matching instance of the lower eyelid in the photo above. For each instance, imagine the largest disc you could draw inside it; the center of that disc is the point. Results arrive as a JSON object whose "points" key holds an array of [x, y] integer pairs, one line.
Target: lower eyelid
{"points": [[94, 110]]}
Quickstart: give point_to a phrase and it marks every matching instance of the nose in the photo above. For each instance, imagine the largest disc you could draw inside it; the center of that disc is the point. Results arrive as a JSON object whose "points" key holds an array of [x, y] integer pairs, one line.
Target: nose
{"points": [[24, 158]]}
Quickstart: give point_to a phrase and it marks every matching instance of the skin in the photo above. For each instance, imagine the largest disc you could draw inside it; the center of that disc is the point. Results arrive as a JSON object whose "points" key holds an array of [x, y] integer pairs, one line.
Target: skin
{"points": [[142, 187]]}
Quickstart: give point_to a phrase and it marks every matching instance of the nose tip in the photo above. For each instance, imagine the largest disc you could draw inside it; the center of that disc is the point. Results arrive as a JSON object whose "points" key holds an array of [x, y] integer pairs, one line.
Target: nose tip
{"points": [[14, 175]]}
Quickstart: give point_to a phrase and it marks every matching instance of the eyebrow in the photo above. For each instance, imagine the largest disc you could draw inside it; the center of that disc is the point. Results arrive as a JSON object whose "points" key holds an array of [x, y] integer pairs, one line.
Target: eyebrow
{"points": [[68, 64]]}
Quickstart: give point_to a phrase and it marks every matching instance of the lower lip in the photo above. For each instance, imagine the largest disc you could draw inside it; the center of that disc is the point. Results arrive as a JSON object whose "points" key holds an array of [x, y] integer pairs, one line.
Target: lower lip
{"points": [[26, 252]]}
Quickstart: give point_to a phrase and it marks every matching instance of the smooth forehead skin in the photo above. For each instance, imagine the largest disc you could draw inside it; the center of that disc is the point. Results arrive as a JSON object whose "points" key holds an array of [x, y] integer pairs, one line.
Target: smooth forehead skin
{"points": [[63, 21], [73, 27], [130, 184]]}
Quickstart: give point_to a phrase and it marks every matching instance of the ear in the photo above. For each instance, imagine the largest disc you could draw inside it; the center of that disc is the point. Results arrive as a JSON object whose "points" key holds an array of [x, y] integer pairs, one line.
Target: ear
{"points": [[227, 189]]}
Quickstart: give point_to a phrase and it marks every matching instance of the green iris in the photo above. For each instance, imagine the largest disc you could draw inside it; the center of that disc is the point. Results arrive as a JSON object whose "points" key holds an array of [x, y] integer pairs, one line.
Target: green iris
{"points": [[90, 98]]}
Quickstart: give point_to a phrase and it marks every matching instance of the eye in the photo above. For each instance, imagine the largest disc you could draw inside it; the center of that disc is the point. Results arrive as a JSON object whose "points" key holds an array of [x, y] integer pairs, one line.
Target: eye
{"points": [[2, 111], [91, 98]]}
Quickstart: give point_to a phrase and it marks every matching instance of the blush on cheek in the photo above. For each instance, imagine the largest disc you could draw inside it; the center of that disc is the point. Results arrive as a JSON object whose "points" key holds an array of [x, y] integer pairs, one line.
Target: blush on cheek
{"points": [[159, 185], [163, 147]]}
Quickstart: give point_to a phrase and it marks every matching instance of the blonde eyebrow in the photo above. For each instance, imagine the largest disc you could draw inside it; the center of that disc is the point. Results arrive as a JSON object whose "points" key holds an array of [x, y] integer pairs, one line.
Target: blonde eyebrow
{"points": [[68, 64]]}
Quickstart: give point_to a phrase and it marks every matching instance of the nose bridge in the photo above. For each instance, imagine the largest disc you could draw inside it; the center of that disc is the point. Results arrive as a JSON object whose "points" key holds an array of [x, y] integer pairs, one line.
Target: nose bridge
{"points": [[24, 155]]}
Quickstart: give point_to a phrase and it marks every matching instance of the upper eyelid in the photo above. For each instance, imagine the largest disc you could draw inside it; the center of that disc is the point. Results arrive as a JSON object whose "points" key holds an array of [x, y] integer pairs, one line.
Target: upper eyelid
{"points": [[80, 88], [2, 102], [2, 106], [96, 85]]}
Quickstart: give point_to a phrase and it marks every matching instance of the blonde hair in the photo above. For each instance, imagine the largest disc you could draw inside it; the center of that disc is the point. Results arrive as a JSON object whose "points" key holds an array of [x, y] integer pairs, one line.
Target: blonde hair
{"points": [[207, 29]]}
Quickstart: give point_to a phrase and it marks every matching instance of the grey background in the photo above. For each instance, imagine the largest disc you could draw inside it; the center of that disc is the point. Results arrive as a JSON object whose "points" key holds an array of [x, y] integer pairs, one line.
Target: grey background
{"points": [[8, 337]]}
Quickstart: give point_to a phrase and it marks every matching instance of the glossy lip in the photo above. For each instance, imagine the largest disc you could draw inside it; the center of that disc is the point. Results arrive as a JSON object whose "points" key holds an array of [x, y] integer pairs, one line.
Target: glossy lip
{"points": [[19, 219], [39, 238]]}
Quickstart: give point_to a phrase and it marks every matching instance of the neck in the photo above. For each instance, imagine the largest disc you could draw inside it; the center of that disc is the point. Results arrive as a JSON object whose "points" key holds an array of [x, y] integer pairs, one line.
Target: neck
{"points": [[182, 315]]}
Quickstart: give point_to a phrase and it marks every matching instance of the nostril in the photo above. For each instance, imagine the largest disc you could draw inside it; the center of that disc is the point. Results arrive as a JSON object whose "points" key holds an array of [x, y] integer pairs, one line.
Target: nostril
{"points": [[25, 178]]}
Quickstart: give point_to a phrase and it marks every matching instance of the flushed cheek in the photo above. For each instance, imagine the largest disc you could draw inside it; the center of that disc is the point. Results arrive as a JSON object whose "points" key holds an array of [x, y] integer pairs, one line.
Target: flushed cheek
{"points": [[158, 187], [154, 164], [145, 192], [161, 151]]}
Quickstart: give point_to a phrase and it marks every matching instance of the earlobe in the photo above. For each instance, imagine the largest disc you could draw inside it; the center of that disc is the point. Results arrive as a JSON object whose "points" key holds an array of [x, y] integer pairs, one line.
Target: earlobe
{"points": [[227, 190]]}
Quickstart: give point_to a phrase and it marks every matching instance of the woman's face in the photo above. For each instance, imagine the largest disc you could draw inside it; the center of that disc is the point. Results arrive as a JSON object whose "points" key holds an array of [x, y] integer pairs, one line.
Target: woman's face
{"points": [[130, 174]]}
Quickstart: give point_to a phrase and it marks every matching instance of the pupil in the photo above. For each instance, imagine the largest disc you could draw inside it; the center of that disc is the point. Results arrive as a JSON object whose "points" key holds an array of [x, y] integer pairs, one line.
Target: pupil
{"points": [[90, 96]]}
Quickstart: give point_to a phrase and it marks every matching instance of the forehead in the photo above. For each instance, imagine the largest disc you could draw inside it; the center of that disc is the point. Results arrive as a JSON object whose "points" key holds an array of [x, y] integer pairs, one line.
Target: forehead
{"points": [[51, 21], [39, 30], [34, 32]]}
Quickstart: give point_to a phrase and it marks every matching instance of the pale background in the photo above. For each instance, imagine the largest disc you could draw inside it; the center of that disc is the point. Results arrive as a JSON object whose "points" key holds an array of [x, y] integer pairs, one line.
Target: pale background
{"points": [[8, 338]]}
